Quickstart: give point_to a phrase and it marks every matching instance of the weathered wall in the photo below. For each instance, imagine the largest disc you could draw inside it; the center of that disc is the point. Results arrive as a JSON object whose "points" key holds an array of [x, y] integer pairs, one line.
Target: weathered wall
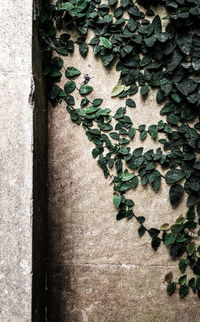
{"points": [[23, 153], [99, 269], [16, 153]]}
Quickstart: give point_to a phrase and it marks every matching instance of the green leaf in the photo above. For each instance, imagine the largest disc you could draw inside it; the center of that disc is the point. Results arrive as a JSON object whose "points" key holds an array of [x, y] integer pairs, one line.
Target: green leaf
{"points": [[143, 135], [155, 243], [141, 231], [131, 133], [190, 214], [187, 86], [128, 177], [169, 277], [54, 92], [106, 127], [114, 135], [149, 42], [164, 227], [105, 42], [152, 129], [83, 49], [130, 102], [191, 283], [176, 59], [117, 90], [190, 248], [66, 6], [81, 5], [175, 194], [170, 239], [171, 288], [85, 89], [69, 87], [166, 86], [183, 291], [97, 102], [72, 72], [117, 201], [144, 90], [183, 265], [182, 280], [54, 73], [174, 175]]}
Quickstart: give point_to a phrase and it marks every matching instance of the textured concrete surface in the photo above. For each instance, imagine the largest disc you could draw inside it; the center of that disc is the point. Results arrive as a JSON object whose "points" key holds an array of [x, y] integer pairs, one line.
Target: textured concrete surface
{"points": [[16, 126], [99, 269]]}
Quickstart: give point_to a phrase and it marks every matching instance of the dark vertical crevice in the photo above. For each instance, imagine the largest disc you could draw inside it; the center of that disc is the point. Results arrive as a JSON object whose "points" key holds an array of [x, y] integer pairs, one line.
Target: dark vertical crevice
{"points": [[40, 129]]}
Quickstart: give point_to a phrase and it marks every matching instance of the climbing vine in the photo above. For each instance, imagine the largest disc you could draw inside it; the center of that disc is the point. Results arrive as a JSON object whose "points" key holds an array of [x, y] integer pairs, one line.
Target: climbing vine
{"points": [[148, 56]]}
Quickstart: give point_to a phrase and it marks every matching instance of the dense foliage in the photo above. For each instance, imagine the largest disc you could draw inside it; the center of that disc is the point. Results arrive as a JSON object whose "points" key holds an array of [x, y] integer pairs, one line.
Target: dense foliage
{"points": [[148, 57]]}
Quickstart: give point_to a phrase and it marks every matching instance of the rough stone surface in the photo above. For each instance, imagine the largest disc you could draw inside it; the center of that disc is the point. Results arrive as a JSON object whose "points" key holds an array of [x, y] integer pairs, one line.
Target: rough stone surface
{"points": [[16, 126], [99, 269]]}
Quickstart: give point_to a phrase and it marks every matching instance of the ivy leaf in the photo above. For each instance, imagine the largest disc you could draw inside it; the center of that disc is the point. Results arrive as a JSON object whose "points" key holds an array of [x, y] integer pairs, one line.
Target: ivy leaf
{"points": [[183, 265], [153, 131], [81, 5], [117, 201], [97, 101], [54, 92], [69, 87], [114, 135], [170, 239], [176, 59], [174, 175], [190, 248], [190, 214], [66, 6], [83, 49], [166, 86], [105, 42], [141, 231], [175, 194], [128, 177], [144, 90], [155, 243], [130, 102], [182, 280], [184, 42], [191, 284], [171, 288], [186, 86], [192, 200], [85, 89], [183, 291], [72, 72], [143, 135], [149, 42], [169, 277], [117, 90], [164, 227]]}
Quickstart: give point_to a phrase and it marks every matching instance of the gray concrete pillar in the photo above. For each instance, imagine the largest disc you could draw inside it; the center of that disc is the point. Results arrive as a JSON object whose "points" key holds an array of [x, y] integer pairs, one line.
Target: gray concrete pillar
{"points": [[20, 165]]}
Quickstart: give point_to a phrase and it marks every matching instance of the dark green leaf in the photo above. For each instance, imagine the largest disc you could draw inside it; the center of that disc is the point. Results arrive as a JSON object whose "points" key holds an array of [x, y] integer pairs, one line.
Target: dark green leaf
{"points": [[175, 194], [72, 71]]}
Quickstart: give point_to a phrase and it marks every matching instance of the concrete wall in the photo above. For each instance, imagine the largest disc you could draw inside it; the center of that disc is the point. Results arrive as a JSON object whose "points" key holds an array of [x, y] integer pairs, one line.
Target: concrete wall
{"points": [[16, 159], [23, 154], [99, 269]]}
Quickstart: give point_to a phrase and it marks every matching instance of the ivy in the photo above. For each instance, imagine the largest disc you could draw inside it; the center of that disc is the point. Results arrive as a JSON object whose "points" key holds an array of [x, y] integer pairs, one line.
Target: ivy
{"points": [[148, 58]]}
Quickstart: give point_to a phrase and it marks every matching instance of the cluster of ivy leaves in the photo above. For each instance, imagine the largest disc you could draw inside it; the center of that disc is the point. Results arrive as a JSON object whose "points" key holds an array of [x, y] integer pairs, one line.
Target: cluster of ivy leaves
{"points": [[148, 57]]}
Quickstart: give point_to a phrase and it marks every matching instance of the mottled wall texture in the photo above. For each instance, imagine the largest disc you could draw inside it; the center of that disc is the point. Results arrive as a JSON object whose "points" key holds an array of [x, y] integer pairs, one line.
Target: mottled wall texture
{"points": [[16, 154], [23, 163], [99, 269]]}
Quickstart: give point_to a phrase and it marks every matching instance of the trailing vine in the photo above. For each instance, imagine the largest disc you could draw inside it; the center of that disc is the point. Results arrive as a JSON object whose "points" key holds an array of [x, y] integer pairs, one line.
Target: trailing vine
{"points": [[148, 56]]}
